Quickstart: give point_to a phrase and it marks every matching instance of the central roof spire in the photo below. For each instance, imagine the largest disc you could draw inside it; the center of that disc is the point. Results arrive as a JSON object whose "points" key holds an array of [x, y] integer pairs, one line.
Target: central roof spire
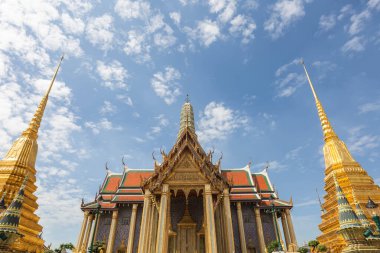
{"points": [[187, 117], [328, 131]]}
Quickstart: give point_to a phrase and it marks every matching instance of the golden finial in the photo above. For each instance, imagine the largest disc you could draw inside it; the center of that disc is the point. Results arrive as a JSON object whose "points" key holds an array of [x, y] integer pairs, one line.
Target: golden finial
{"points": [[35, 123], [328, 131]]}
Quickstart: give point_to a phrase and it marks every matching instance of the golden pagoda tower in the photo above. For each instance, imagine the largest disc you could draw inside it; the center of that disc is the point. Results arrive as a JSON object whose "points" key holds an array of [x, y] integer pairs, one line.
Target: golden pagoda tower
{"points": [[18, 163], [352, 178]]}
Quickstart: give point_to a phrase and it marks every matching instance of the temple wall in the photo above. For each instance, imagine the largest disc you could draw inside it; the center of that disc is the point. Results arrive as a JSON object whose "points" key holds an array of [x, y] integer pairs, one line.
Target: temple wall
{"points": [[122, 230], [104, 227], [268, 227], [235, 226], [250, 228]]}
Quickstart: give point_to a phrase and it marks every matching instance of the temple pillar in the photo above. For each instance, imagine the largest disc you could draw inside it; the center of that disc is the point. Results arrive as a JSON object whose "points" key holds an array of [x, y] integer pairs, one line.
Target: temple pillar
{"points": [[286, 230], [291, 230], [243, 243], [90, 219], [144, 221], [111, 237], [94, 229], [132, 227], [82, 231], [162, 233], [154, 228], [260, 231], [210, 221], [148, 238], [228, 221]]}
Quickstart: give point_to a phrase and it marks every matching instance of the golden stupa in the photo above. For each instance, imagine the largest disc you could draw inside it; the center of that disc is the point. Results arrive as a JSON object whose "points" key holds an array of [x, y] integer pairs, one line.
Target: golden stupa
{"points": [[353, 179], [18, 163]]}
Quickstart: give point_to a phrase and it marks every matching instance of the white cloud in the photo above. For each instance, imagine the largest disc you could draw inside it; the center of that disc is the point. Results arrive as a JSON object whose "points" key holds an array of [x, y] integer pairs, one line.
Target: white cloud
{"points": [[358, 22], [290, 76], [288, 82], [362, 143], [99, 31], [370, 107], [176, 17], [113, 74], [162, 122], [273, 165], [228, 11], [125, 99], [355, 44], [165, 84], [345, 11], [217, 122], [327, 22], [207, 32], [165, 39], [107, 108], [241, 25], [283, 14], [72, 25], [188, 2], [127, 9], [374, 4], [311, 202], [136, 46], [102, 124], [216, 5]]}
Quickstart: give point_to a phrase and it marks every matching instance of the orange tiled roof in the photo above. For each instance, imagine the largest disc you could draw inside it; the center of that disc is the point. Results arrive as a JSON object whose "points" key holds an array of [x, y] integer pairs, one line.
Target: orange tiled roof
{"points": [[125, 187], [133, 178], [111, 184]]}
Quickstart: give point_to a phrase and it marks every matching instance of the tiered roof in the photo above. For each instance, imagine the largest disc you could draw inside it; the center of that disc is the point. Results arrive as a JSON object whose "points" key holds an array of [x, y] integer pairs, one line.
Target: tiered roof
{"points": [[126, 188]]}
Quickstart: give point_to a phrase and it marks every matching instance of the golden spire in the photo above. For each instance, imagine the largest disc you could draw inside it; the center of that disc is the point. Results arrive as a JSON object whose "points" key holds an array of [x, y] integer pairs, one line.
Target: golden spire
{"points": [[35, 123], [187, 117], [24, 149], [328, 131]]}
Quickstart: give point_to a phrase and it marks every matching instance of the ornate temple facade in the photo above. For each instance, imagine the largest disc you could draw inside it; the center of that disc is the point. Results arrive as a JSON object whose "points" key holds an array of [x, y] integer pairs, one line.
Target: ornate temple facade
{"points": [[18, 164], [354, 184], [186, 204]]}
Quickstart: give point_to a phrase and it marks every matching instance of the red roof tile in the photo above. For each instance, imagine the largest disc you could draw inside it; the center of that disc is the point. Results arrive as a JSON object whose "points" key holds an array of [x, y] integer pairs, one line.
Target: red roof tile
{"points": [[238, 177], [133, 178], [112, 184], [262, 182]]}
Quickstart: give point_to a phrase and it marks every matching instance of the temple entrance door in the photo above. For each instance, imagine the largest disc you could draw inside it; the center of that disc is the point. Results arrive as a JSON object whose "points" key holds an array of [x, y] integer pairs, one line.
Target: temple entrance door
{"points": [[186, 236], [186, 242]]}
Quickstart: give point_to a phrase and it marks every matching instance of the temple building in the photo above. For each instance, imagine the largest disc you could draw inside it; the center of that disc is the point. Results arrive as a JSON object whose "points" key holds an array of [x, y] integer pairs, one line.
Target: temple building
{"points": [[18, 164], [348, 184], [186, 204]]}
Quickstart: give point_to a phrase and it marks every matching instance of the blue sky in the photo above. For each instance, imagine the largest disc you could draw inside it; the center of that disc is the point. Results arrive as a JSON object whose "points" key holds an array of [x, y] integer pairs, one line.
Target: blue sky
{"points": [[129, 65]]}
